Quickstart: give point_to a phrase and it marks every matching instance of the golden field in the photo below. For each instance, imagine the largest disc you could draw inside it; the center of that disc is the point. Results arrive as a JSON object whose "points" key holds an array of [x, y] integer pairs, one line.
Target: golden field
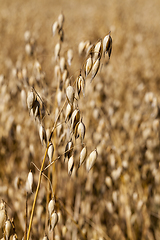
{"points": [[119, 198]]}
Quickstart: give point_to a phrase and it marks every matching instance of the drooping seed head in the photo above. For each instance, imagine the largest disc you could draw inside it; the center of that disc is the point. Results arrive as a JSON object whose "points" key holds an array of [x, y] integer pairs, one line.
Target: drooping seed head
{"points": [[50, 151], [30, 100], [69, 110], [95, 68], [70, 165], [80, 130], [51, 206], [83, 155], [64, 75], [91, 160], [3, 217], [80, 85], [68, 149], [57, 50], [90, 50], [36, 109], [74, 119], [60, 20], [7, 230], [59, 97], [42, 134], [29, 182], [53, 220], [54, 27], [107, 45], [88, 65], [97, 51], [81, 47], [62, 64], [69, 56], [70, 94]]}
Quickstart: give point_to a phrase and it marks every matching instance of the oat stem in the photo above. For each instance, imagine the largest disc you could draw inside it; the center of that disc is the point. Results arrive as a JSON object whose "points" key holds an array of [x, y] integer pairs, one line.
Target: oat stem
{"points": [[36, 195]]}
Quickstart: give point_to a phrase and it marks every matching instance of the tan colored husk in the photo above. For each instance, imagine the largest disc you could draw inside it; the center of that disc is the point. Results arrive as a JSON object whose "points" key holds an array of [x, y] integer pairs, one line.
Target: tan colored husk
{"points": [[30, 100], [57, 50], [83, 155], [53, 220], [80, 83], [97, 51], [42, 134], [81, 47], [79, 130], [95, 68], [60, 20], [51, 206], [3, 217], [7, 230], [70, 94], [68, 149], [91, 160], [88, 65], [50, 151], [69, 110], [69, 56], [74, 119], [70, 165], [29, 182], [54, 27]]}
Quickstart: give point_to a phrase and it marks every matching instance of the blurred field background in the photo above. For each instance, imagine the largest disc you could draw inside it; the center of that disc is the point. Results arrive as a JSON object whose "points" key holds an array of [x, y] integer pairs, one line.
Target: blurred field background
{"points": [[121, 120]]}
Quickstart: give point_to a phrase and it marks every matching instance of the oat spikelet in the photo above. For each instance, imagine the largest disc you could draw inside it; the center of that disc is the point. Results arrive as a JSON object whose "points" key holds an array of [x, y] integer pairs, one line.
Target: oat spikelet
{"points": [[57, 50], [80, 85], [51, 206], [83, 155], [81, 47], [62, 64], [29, 182], [3, 215], [91, 160], [80, 130], [50, 151], [60, 20], [7, 230], [54, 27], [74, 119], [53, 220], [95, 68], [42, 134], [88, 65], [69, 110], [68, 149], [97, 51], [30, 100], [69, 56], [107, 45], [70, 165], [70, 94]]}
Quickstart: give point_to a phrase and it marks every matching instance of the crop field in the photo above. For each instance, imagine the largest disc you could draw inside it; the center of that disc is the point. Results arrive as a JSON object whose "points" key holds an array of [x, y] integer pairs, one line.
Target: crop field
{"points": [[79, 120]]}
